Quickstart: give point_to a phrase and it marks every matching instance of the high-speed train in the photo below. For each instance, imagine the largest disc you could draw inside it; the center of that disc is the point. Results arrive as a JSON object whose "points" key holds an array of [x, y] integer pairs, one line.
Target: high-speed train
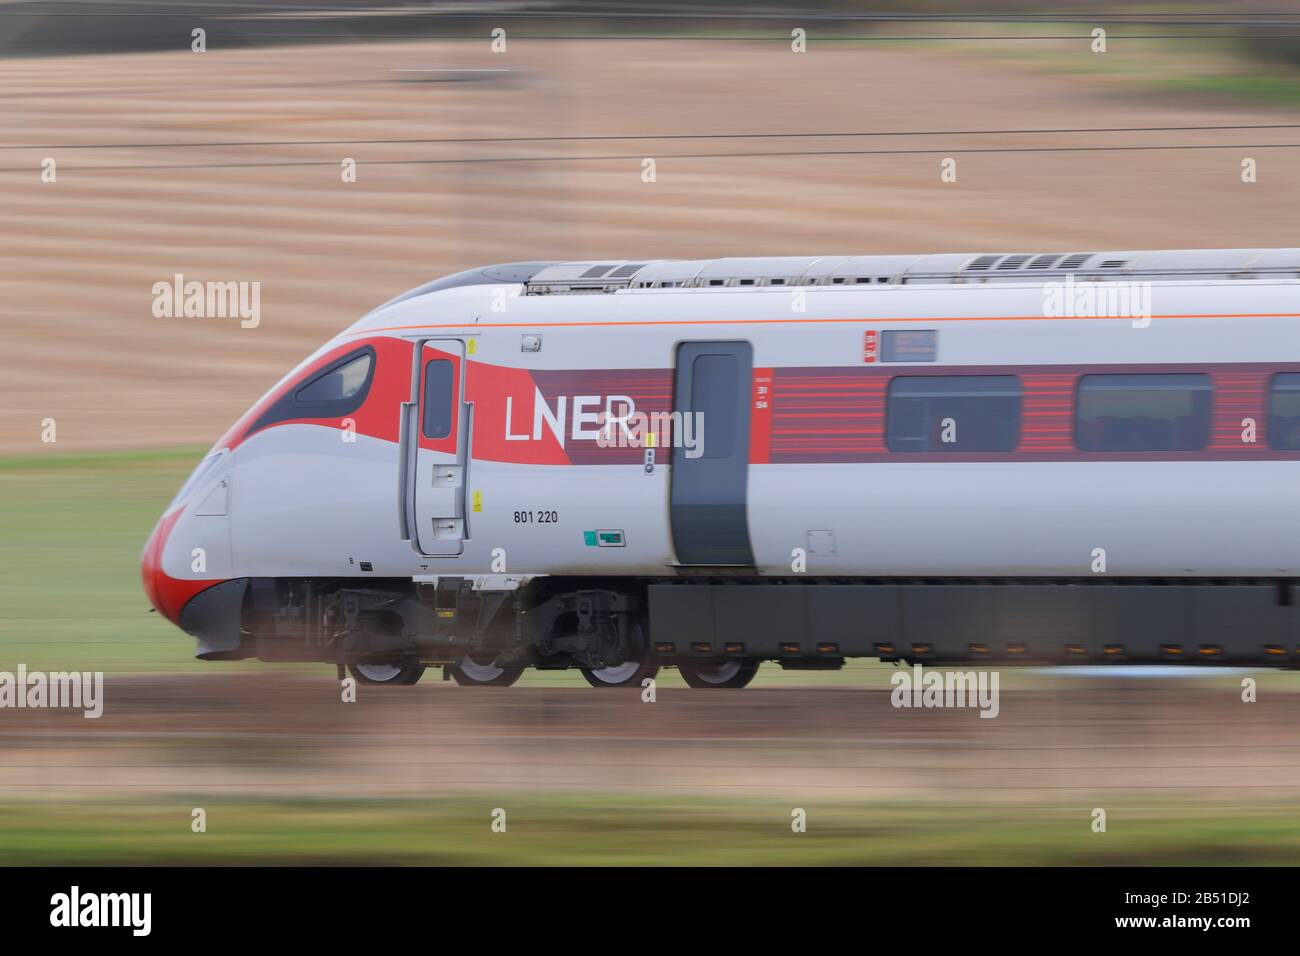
{"points": [[622, 465]]}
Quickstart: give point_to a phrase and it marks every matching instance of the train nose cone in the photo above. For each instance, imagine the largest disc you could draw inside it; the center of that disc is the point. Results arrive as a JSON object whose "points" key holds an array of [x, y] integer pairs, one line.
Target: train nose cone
{"points": [[151, 573]]}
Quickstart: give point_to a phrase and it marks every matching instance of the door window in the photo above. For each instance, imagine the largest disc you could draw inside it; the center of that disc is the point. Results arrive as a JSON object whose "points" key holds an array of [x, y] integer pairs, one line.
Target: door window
{"points": [[713, 393], [439, 397]]}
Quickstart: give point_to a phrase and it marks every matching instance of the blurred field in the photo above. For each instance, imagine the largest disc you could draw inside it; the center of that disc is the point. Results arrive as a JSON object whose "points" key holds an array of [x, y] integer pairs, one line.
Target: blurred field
{"points": [[576, 830], [288, 773], [74, 528]]}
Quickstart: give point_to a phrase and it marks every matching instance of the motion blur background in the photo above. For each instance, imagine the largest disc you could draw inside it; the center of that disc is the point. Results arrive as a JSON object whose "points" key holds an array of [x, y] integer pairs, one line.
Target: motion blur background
{"points": [[225, 166]]}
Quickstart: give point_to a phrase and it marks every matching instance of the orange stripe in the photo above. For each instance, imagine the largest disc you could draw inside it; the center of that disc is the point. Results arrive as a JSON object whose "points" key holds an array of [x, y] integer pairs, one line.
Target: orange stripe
{"points": [[867, 319]]}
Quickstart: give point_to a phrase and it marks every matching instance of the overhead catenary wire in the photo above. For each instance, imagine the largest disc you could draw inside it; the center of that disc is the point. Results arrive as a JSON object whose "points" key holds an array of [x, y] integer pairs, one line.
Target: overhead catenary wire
{"points": [[653, 12], [628, 137], [639, 157], [762, 37]]}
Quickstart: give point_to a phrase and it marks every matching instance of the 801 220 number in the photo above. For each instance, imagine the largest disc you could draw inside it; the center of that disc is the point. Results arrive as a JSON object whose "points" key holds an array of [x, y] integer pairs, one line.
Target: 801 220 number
{"points": [[536, 517]]}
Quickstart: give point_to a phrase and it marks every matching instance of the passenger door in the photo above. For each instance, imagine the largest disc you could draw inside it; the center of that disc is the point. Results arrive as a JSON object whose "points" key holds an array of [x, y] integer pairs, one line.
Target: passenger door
{"points": [[712, 386], [437, 432]]}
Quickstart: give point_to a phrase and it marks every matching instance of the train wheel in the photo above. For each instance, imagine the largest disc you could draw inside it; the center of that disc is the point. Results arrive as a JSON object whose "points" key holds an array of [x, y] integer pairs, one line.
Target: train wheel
{"points": [[631, 672], [472, 673], [726, 674], [627, 674], [392, 674]]}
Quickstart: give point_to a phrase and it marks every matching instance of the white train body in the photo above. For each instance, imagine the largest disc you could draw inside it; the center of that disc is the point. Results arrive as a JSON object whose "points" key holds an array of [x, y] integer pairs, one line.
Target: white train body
{"points": [[1111, 426]]}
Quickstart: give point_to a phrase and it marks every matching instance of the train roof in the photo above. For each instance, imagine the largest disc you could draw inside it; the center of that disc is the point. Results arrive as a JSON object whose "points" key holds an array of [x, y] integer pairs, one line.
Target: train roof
{"points": [[616, 275]]}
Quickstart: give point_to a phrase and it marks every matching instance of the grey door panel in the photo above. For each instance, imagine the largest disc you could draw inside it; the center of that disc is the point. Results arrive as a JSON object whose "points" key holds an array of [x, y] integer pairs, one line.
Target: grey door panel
{"points": [[712, 387]]}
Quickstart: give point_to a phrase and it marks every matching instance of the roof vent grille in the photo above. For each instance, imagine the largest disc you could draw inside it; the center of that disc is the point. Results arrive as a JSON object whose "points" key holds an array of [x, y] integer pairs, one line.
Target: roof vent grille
{"points": [[612, 276]]}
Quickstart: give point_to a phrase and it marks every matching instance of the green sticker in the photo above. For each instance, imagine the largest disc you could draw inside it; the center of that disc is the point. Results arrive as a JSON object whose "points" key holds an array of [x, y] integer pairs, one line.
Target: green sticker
{"points": [[589, 538]]}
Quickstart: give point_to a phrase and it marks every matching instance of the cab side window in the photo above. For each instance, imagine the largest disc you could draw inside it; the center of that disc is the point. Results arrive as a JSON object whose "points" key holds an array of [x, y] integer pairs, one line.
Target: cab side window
{"points": [[338, 389], [340, 383]]}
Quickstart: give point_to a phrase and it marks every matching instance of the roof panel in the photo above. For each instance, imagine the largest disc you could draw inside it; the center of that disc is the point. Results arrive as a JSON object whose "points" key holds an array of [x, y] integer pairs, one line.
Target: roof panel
{"points": [[613, 275]]}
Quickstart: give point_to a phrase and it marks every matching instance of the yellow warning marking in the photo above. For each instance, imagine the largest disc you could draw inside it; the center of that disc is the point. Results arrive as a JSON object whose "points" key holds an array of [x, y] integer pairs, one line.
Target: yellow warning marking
{"points": [[649, 439], [478, 501], [471, 346]]}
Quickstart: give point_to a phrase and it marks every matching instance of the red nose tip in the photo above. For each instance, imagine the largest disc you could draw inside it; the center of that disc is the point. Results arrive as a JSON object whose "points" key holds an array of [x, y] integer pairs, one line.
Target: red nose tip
{"points": [[168, 595]]}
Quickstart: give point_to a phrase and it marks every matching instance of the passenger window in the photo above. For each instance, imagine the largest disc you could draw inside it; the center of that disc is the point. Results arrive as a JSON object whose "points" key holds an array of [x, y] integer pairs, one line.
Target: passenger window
{"points": [[439, 398], [1143, 412], [339, 384], [1284, 412], [953, 413]]}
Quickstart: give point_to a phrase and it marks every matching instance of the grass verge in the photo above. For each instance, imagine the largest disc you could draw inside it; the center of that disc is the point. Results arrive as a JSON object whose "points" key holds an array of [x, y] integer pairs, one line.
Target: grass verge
{"points": [[619, 830]]}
